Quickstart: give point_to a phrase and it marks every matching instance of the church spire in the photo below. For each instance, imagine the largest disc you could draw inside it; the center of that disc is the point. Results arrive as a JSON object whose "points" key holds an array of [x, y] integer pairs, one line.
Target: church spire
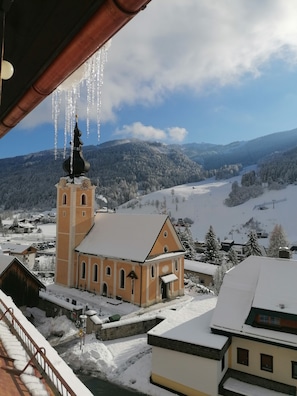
{"points": [[76, 165]]}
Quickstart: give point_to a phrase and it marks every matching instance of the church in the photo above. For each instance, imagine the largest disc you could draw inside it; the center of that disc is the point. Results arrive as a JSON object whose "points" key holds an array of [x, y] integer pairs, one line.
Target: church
{"points": [[137, 258]]}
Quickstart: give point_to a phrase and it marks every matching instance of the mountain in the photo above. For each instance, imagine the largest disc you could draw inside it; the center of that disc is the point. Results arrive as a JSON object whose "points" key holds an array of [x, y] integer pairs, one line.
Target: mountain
{"points": [[122, 169], [245, 153]]}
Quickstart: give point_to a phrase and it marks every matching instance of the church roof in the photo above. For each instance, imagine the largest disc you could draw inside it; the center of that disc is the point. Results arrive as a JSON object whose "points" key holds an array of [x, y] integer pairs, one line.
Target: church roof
{"points": [[127, 237]]}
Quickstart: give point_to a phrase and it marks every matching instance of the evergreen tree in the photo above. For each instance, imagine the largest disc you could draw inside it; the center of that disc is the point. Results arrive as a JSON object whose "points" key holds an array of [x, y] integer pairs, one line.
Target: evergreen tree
{"points": [[277, 240], [252, 246], [232, 257], [219, 276], [212, 251]]}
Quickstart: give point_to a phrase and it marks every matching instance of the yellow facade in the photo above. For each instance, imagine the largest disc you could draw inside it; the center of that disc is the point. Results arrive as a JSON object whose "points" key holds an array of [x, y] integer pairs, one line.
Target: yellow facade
{"points": [[75, 217], [138, 283], [282, 359]]}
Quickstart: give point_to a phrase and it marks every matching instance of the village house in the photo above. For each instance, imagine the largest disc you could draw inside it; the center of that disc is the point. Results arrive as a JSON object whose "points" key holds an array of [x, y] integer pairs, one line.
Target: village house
{"points": [[18, 282], [25, 253], [243, 344], [135, 258], [200, 272]]}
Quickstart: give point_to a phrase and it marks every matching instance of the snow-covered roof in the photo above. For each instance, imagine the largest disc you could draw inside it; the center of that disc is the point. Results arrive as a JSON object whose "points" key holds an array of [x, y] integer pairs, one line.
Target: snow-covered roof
{"points": [[198, 266], [257, 282], [127, 237], [191, 324], [16, 248]]}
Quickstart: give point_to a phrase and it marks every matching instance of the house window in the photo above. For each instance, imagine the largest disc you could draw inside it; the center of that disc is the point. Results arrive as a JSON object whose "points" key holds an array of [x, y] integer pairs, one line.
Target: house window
{"points": [[152, 271], [64, 199], [223, 363], [243, 356], [95, 273], [266, 362], [108, 271], [83, 199], [83, 270], [122, 279], [294, 370]]}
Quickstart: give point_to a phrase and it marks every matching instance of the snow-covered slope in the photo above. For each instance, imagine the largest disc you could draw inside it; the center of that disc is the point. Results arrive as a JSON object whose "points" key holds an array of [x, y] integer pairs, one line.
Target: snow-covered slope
{"points": [[203, 203]]}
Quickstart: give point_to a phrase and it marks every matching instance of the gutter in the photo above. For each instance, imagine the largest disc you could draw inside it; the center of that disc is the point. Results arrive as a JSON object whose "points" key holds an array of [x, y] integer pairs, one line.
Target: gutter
{"points": [[104, 24]]}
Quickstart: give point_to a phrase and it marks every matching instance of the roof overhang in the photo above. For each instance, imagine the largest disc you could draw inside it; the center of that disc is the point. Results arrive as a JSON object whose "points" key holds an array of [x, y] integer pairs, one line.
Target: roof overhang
{"points": [[46, 41]]}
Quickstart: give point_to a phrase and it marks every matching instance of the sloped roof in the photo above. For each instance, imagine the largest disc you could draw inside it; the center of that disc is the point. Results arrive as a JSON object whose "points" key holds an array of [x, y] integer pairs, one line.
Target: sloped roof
{"points": [[127, 237], [6, 261], [17, 248], [257, 282]]}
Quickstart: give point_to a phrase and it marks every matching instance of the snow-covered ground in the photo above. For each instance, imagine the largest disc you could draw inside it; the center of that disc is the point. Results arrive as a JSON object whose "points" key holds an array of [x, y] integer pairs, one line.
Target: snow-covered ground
{"points": [[127, 361], [203, 203]]}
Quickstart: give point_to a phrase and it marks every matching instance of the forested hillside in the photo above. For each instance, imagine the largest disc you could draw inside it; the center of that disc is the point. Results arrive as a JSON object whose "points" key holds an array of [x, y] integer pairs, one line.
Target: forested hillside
{"points": [[124, 168], [119, 171]]}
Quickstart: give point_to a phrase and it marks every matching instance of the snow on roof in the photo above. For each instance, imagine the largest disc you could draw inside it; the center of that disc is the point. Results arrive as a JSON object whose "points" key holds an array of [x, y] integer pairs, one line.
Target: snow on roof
{"points": [[51, 354], [198, 266], [128, 237], [191, 324], [16, 248], [5, 262], [257, 282]]}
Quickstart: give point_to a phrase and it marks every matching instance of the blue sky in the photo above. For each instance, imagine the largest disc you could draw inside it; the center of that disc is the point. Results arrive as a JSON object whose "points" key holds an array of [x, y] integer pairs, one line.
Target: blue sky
{"points": [[187, 71]]}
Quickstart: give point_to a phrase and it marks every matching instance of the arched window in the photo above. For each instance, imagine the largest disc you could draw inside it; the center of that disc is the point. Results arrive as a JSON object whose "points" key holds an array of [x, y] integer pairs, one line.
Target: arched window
{"points": [[95, 273], [176, 264], [83, 199], [152, 271], [122, 279], [108, 271], [165, 249], [64, 199], [83, 270]]}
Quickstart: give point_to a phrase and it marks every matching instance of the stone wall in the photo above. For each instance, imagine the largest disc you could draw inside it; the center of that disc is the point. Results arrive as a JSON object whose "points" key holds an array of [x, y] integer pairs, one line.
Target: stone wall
{"points": [[121, 329]]}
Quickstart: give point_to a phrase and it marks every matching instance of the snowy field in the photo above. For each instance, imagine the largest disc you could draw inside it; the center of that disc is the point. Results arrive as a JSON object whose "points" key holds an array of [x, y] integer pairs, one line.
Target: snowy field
{"points": [[203, 203]]}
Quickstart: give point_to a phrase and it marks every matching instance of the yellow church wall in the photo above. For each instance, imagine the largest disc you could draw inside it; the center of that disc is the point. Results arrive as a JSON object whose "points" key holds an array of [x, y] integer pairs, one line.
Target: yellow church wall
{"points": [[166, 241], [62, 246], [61, 273], [282, 360]]}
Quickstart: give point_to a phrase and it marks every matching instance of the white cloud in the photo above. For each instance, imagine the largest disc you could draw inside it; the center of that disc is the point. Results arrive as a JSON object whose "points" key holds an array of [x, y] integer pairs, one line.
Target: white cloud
{"points": [[139, 131], [192, 45], [175, 45]]}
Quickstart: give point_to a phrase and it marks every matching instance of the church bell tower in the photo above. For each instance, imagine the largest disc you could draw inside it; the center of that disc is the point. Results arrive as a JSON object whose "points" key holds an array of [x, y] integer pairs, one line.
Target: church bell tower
{"points": [[75, 212]]}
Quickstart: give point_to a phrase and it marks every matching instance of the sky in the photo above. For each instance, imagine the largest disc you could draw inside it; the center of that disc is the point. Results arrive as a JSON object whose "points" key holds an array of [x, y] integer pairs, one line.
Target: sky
{"points": [[186, 71]]}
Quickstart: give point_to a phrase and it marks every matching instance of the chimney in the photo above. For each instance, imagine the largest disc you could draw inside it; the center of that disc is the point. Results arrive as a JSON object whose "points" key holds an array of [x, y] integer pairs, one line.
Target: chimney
{"points": [[284, 252]]}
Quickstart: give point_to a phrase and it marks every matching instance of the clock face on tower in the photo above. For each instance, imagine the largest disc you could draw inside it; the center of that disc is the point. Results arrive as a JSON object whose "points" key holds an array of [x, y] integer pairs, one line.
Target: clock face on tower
{"points": [[85, 184]]}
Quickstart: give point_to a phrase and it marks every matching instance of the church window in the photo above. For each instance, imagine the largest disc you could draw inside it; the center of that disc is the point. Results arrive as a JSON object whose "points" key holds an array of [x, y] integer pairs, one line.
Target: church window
{"points": [[83, 270], [64, 199], [108, 271], [83, 213], [122, 279], [165, 234], [95, 273], [152, 271], [165, 249], [176, 264], [83, 199], [64, 213]]}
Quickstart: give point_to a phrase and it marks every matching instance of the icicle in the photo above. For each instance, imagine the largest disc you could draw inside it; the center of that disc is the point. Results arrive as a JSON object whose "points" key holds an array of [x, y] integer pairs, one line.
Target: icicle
{"points": [[90, 76]]}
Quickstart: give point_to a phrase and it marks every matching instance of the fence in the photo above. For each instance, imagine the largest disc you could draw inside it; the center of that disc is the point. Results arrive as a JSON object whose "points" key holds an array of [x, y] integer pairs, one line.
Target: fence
{"points": [[37, 354]]}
